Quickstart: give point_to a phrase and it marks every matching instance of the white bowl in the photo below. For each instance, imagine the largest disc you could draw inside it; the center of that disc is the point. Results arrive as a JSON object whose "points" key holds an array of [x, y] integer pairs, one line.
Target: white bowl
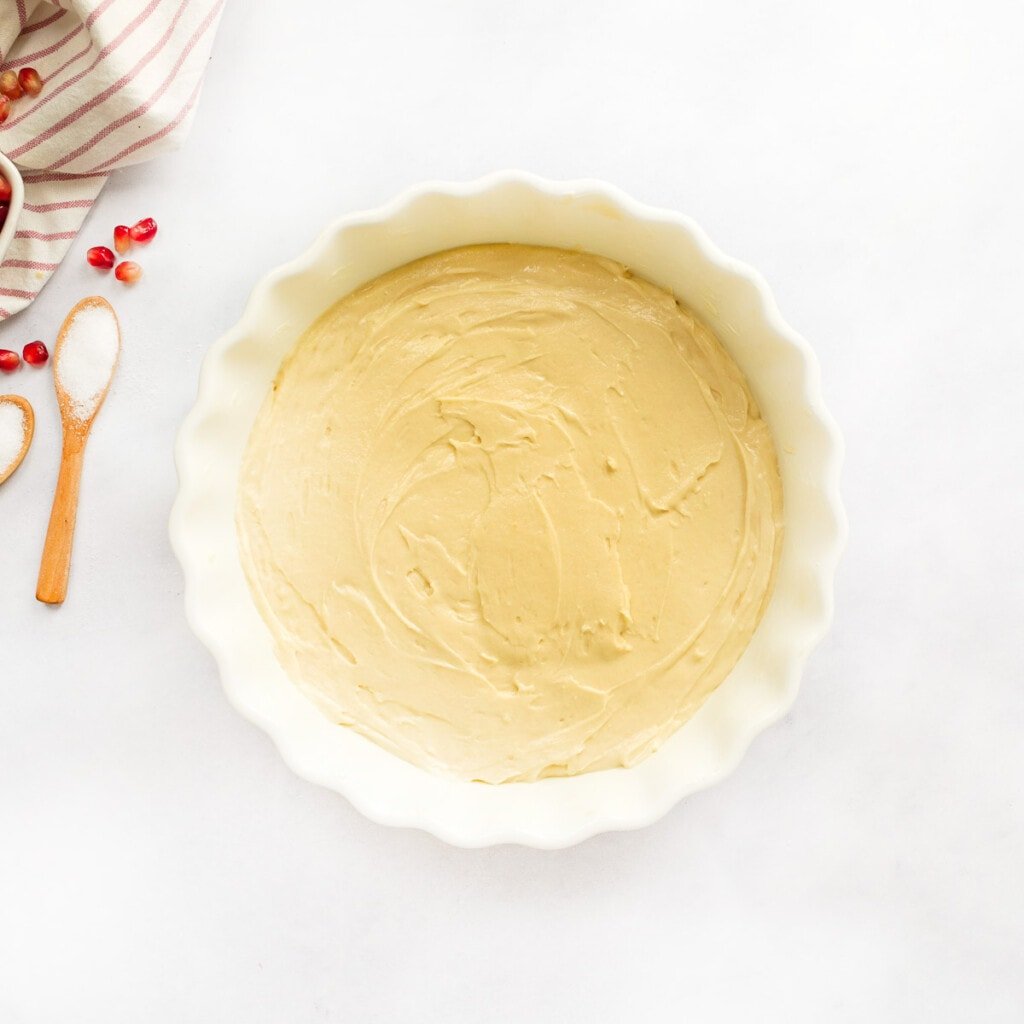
{"points": [[13, 175], [510, 207]]}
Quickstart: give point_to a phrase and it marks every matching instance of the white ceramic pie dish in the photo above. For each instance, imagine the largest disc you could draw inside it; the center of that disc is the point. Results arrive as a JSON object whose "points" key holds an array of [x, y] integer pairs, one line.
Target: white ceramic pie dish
{"points": [[510, 207]]}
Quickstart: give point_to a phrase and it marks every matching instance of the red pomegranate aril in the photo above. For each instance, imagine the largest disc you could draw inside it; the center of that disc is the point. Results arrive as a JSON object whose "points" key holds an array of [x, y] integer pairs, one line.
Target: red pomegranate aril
{"points": [[5, 108], [4, 210], [35, 353], [144, 231], [5, 190], [122, 239], [9, 361], [29, 80], [101, 257], [128, 272], [10, 86]]}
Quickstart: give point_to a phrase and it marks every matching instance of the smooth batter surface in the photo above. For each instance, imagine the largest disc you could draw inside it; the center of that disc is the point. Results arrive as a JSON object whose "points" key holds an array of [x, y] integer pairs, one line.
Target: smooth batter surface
{"points": [[511, 512]]}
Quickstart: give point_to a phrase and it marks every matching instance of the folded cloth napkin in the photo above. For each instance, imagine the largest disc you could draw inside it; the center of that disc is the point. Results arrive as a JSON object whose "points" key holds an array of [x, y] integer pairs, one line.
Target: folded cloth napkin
{"points": [[121, 79]]}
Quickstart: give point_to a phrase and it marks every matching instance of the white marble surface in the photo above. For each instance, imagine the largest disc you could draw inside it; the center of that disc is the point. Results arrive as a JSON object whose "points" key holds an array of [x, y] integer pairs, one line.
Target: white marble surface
{"points": [[159, 863]]}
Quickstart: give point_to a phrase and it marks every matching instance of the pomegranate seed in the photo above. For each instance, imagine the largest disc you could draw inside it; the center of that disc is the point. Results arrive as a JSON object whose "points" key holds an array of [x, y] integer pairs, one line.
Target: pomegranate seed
{"points": [[128, 272], [5, 190], [9, 360], [5, 108], [35, 353], [101, 257], [10, 86], [122, 239], [144, 231], [4, 209], [29, 80]]}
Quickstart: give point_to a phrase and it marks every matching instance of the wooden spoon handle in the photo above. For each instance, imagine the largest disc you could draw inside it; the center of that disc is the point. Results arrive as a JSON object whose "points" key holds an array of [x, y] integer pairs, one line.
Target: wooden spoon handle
{"points": [[52, 587]]}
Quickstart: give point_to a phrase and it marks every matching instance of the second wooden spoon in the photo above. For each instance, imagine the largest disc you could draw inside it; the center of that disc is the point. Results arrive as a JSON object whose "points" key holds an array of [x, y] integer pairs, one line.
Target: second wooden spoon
{"points": [[28, 424]]}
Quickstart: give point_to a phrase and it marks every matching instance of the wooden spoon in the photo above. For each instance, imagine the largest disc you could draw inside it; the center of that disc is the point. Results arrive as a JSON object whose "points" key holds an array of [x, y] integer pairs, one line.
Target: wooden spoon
{"points": [[84, 360], [29, 421]]}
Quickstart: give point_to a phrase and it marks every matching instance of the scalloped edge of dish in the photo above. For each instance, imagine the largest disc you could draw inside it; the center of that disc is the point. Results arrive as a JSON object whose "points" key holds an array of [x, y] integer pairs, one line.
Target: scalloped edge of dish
{"points": [[619, 799]]}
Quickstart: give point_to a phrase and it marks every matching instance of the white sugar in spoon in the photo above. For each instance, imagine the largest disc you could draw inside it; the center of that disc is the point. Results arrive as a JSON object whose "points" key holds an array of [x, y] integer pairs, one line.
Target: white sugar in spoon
{"points": [[17, 425], [84, 360]]}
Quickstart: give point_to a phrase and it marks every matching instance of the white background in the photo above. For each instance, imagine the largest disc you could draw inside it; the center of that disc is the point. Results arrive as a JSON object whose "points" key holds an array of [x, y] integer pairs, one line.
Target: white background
{"points": [[159, 863]]}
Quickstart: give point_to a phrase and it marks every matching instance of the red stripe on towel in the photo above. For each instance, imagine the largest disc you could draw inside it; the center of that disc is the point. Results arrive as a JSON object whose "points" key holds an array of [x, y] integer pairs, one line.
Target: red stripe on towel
{"points": [[29, 265], [67, 204], [45, 236], [45, 23]]}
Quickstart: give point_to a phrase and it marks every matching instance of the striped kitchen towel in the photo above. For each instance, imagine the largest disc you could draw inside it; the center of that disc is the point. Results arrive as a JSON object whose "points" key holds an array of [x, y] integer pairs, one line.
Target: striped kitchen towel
{"points": [[120, 83]]}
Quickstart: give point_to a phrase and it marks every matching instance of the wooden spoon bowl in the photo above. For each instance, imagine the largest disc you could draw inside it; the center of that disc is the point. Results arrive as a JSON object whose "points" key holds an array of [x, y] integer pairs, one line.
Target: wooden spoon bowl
{"points": [[29, 420]]}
